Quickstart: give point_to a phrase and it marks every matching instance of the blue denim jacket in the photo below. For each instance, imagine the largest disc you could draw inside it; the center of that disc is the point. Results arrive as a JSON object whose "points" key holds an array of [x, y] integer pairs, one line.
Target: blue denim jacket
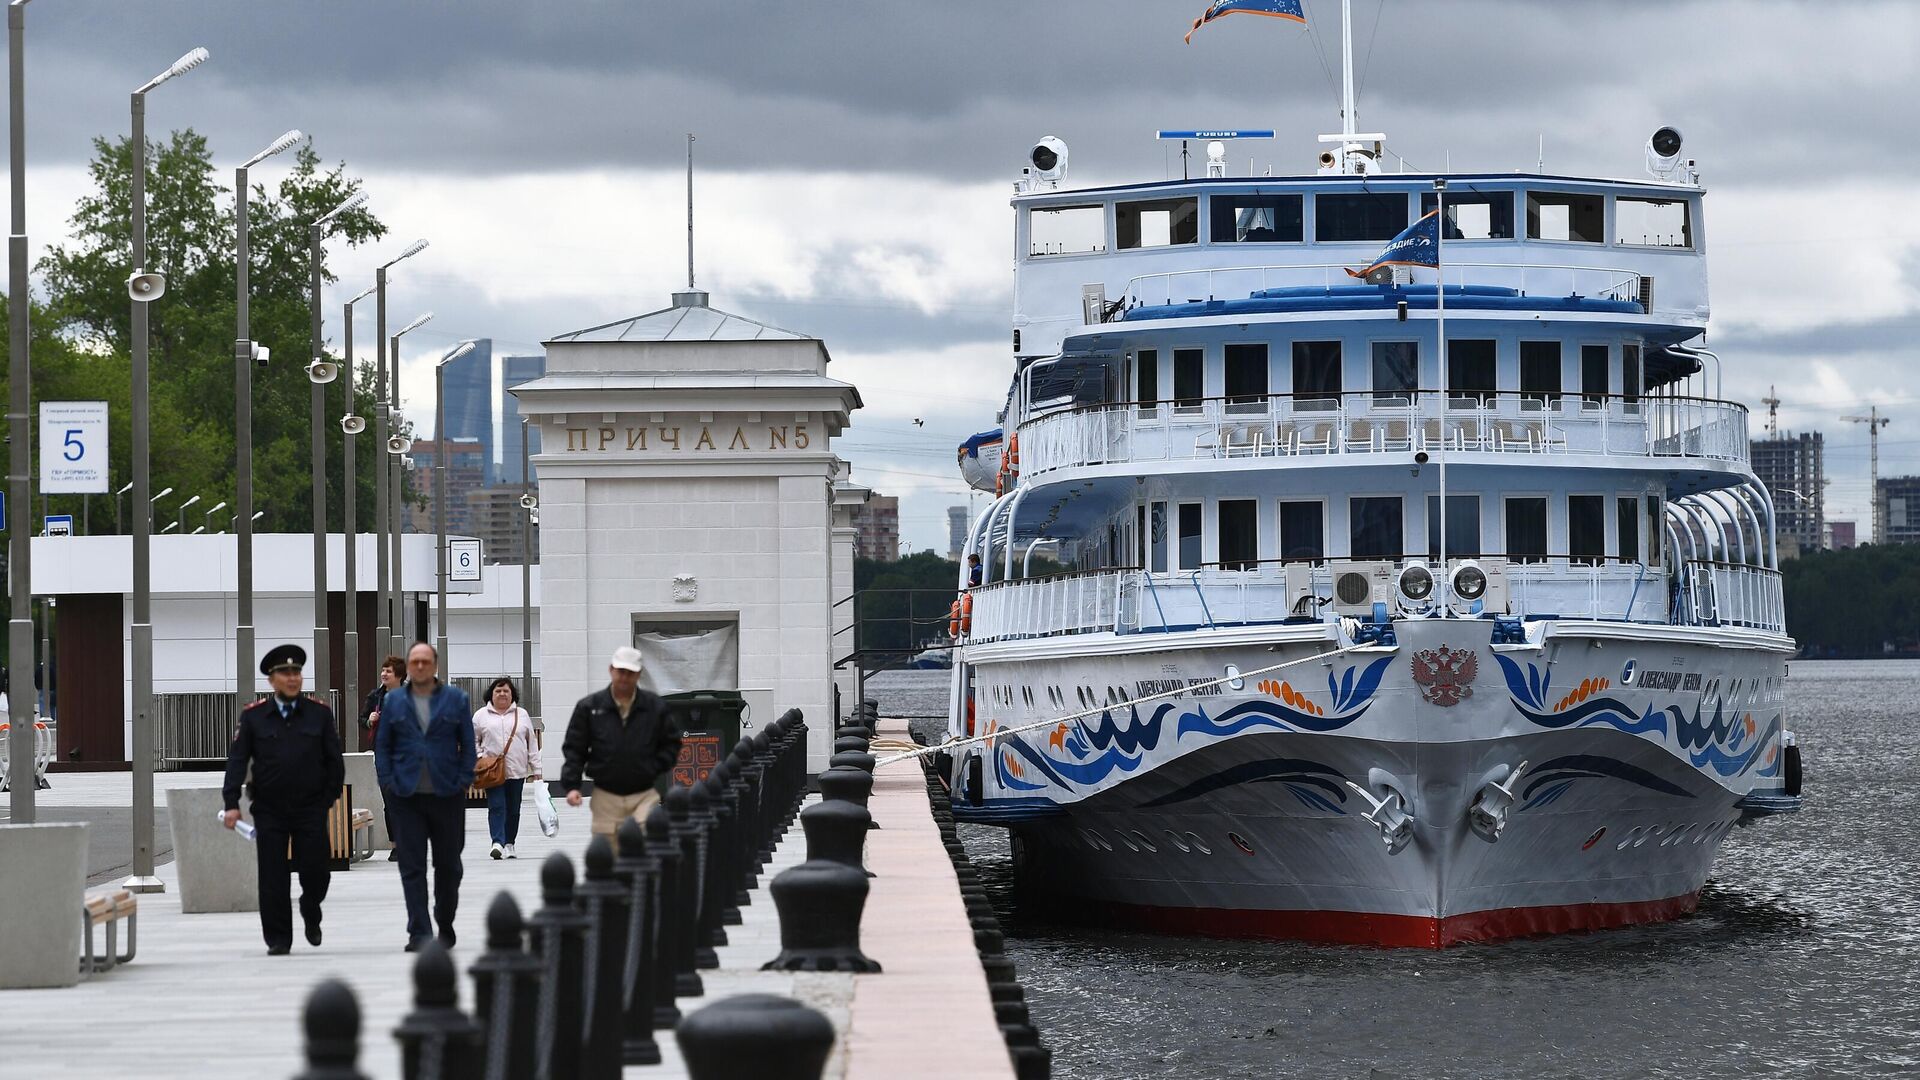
{"points": [[446, 747]]}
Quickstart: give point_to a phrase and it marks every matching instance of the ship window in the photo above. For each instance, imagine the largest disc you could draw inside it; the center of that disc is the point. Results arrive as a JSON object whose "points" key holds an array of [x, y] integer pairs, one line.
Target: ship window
{"points": [[1527, 529], [1358, 217], [1316, 374], [1593, 373], [1587, 529], [1246, 376], [1190, 523], [1256, 219], [1396, 371], [1654, 522], [1470, 373], [1239, 527], [1160, 223], [1540, 371], [1630, 372], [1303, 531], [1066, 230], [1463, 526], [1375, 529], [1146, 373], [1475, 215], [1653, 222], [1189, 373], [1559, 215], [1154, 534], [1627, 517]]}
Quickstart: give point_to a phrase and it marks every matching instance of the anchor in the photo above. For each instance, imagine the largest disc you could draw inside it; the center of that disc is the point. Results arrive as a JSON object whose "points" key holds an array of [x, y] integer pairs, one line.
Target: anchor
{"points": [[1487, 814], [1389, 813]]}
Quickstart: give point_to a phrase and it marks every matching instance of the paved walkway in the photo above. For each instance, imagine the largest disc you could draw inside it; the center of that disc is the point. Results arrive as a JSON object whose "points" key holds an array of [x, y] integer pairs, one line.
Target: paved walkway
{"points": [[203, 1000]]}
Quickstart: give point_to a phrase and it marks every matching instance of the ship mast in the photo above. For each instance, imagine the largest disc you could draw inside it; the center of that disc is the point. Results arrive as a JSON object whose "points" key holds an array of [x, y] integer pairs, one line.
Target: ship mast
{"points": [[1354, 157], [1347, 105]]}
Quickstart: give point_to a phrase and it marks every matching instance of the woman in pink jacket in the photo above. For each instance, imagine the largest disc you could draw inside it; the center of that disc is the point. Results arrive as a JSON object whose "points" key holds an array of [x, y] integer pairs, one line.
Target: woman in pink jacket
{"points": [[503, 727]]}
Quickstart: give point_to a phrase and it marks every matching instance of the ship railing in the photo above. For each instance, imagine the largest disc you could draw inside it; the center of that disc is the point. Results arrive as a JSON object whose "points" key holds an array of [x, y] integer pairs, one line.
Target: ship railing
{"points": [[1730, 594], [1536, 423], [1241, 282], [1264, 592]]}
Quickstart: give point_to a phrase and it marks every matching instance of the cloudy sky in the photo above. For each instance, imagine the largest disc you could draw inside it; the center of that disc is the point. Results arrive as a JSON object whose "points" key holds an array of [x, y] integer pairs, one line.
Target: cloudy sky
{"points": [[854, 160]]}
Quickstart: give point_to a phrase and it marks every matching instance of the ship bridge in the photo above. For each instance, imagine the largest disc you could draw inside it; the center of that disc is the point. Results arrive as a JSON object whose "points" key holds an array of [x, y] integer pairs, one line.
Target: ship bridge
{"points": [[1517, 244]]}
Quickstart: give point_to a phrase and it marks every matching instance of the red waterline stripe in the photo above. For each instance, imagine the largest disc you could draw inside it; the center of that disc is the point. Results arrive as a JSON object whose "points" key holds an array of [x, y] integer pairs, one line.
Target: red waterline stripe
{"points": [[1392, 931]]}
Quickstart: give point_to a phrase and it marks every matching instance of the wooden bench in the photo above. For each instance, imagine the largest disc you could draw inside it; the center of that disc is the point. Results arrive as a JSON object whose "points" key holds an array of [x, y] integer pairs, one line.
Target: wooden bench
{"points": [[361, 825], [108, 908]]}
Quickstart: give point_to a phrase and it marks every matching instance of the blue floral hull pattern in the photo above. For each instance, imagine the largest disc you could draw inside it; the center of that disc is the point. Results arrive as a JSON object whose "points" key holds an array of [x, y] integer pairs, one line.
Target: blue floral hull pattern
{"points": [[1245, 800]]}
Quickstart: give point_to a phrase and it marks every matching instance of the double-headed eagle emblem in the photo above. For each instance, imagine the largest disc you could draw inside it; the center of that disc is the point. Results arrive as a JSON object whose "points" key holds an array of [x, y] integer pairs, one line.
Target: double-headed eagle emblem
{"points": [[1445, 675]]}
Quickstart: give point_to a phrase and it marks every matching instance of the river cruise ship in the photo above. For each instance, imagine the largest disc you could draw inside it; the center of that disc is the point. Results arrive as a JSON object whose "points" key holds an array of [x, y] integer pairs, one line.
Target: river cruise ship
{"points": [[1285, 625]]}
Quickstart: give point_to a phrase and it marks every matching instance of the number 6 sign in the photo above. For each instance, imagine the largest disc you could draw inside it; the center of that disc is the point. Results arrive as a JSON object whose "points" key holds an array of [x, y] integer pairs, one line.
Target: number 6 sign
{"points": [[73, 447], [463, 560]]}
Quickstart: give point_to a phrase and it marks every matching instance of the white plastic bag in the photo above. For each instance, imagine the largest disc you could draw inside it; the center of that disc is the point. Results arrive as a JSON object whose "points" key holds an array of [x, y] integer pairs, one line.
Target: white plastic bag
{"points": [[543, 805]]}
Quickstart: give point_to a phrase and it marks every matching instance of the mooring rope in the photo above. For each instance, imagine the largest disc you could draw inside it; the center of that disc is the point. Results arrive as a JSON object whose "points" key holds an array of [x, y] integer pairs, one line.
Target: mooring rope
{"points": [[922, 751]]}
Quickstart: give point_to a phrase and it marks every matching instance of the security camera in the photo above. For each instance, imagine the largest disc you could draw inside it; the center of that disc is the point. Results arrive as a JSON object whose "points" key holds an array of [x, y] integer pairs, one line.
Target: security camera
{"points": [[1049, 158], [261, 354]]}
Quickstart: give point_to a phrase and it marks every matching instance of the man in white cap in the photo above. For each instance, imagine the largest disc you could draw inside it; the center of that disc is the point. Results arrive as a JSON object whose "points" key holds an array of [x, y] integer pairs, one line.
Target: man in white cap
{"points": [[624, 740]]}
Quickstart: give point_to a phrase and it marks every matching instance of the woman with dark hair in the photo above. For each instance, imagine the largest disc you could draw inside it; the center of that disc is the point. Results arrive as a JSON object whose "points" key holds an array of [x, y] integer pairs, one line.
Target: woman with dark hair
{"points": [[502, 728], [393, 671]]}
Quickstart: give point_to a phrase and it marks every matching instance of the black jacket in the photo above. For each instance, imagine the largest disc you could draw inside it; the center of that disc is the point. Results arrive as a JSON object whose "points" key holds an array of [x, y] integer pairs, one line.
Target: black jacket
{"points": [[375, 697], [623, 758], [297, 769]]}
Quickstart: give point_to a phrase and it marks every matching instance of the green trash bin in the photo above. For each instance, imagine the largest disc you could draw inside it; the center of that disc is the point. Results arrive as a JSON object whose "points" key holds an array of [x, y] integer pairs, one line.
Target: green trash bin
{"points": [[709, 722]]}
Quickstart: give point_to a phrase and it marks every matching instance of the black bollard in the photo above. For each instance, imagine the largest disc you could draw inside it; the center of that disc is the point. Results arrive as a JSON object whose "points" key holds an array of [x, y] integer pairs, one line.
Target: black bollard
{"points": [[686, 891], [850, 742], [708, 934], [856, 759], [437, 1040], [837, 832], [332, 1022], [668, 923], [847, 783], [763, 798], [820, 903], [604, 902], [1031, 1062], [634, 868], [746, 840], [762, 1036], [506, 993], [558, 933], [725, 841]]}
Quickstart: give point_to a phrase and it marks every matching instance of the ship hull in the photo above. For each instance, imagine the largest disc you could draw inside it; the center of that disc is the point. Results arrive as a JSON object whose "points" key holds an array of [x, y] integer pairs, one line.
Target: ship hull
{"points": [[1236, 814]]}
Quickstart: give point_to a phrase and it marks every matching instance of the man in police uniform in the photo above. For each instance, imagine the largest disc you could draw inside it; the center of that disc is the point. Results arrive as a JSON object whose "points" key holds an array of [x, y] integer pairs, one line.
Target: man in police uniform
{"points": [[294, 748]]}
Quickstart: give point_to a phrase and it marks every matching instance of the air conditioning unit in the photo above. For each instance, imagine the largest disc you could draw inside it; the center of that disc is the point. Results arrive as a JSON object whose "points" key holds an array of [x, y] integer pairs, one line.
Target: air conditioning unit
{"points": [[1357, 586], [1301, 599], [1646, 293], [1093, 304]]}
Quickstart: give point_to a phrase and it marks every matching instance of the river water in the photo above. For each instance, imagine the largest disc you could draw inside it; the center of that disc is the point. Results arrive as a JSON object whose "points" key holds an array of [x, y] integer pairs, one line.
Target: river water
{"points": [[1803, 960]]}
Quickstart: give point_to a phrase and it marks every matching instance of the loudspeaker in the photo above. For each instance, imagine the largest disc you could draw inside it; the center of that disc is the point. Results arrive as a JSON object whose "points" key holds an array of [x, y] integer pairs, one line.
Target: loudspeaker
{"points": [[322, 372], [529, 502], [147, 285], [353, 425], [398, 444]]}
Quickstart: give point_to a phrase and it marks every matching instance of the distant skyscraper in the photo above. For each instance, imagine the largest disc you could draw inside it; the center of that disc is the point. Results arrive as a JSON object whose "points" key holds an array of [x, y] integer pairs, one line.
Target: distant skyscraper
{"points": [[515, 370], [470, 402], [957, 521], [466, 468], [1899, 499], [1793, 468], [877, 529]]}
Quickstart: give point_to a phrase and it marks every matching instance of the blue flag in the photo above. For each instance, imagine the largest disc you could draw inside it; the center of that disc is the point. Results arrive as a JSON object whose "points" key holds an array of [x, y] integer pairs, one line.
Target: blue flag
{"points": [[1279, 9], [1417, 245]]}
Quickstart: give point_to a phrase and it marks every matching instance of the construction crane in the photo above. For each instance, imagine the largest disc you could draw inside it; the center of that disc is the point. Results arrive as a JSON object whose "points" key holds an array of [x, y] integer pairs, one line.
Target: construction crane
{"points": [[1874, 422], [1772, 402]]}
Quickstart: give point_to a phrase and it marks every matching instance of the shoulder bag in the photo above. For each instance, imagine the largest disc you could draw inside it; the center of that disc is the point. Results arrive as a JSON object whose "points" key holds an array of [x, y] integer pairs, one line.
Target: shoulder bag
{"points": [[491, 771]]}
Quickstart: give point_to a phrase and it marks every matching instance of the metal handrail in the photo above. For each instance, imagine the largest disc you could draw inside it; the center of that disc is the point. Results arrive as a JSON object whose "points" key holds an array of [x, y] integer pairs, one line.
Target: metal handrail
{"points": [[1620, 280]]}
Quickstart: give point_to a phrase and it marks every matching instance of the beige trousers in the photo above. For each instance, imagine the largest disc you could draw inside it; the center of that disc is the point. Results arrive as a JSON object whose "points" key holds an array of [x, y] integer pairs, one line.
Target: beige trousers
{"points": [[609, 809]]}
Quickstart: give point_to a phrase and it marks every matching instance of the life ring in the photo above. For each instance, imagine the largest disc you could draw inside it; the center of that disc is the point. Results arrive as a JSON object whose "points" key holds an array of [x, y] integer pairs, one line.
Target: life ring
{"points": [[1012, 458], [953, 621], [966, 613]]}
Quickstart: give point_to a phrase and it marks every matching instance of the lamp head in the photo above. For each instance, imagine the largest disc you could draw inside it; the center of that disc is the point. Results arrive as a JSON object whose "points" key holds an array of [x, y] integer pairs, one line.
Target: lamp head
{"points": [[181, 66], [353, 200], [413, 249], [415, 324], [363, 294], [458, 351], [163, 494], [280, 145]]}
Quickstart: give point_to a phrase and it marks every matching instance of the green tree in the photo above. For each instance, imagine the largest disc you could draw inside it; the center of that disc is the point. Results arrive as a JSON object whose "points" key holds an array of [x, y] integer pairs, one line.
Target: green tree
{"points": [[902, 604], [82, 331]]}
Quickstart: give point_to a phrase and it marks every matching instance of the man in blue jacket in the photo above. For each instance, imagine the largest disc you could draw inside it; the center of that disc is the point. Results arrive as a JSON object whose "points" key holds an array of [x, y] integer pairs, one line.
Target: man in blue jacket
{"points": [[423, 754]]}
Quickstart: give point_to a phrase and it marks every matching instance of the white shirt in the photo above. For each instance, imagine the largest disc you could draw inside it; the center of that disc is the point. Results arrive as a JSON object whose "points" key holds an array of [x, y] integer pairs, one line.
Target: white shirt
{"points": [[490, 730]]}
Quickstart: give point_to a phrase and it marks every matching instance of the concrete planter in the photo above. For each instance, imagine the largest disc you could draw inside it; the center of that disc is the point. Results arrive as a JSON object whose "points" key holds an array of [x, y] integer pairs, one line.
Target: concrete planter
{"points": [[217, 866], [368, 796], [43, 876]]}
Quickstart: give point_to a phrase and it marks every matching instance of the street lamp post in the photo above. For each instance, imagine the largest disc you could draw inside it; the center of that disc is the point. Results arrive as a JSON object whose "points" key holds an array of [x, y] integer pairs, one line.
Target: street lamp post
{"points": [[207, 520], [320, 373], [529, 504], [119, 520], [397, 449], [183, 511], [244, 354], [383, 610], [144, 288], [21, 781], [351, 424], [440, 494]]}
